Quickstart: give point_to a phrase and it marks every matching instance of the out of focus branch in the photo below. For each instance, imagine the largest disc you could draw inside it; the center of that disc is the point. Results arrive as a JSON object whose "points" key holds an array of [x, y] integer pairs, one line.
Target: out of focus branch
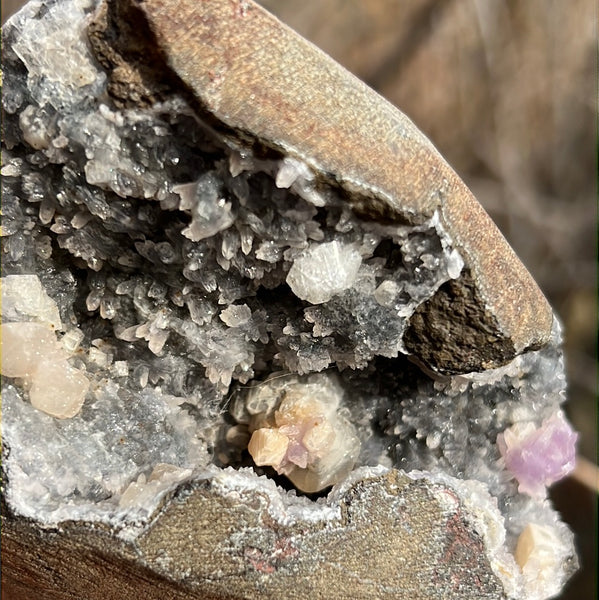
{"points": [[586, 473]]}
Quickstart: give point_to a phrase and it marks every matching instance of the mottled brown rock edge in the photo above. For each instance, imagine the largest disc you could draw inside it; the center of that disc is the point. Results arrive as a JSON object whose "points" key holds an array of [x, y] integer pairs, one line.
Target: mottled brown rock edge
{"points": [[393, 537], [455, 313], [251, 76]]}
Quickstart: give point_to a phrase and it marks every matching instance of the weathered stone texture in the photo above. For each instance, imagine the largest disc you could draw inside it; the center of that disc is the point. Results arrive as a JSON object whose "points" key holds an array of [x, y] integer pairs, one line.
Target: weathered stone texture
{"points": [[393, 537], [258, 78]]}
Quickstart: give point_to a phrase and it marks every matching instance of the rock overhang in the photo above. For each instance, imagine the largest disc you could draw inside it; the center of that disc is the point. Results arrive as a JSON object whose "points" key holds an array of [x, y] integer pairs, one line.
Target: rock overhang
{"points": [[272, 88]]}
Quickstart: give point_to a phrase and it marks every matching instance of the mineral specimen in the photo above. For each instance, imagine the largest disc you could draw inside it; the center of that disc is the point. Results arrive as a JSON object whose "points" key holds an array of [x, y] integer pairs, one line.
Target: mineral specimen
{"points": [[196, 274], [324, 271], [31, 352], [539, 554]]}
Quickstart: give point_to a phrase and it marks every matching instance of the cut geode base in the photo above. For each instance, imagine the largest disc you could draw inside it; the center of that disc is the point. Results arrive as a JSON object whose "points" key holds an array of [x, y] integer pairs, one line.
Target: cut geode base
{"points": [[179, 273]]}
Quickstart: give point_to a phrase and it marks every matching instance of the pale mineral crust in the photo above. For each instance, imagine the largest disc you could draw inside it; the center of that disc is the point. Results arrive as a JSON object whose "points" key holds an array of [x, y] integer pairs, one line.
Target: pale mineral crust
{"points": [[232, 274]]}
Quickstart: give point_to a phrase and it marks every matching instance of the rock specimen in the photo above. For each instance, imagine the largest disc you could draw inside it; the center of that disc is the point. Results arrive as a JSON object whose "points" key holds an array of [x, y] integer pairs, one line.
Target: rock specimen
{"points": [[230, 270]]}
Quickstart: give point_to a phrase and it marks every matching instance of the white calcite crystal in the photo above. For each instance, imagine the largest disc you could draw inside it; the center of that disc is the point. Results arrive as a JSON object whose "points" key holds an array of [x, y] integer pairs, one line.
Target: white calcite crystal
{"points": [[66, 64], [58, 389], [72, 339], [541, 557], [145, 491], [324, 271], [193, 307], [236, 315], [386, 293], [25, 346], [290, 171], [24, 299], [210, 211], [31, 352]]}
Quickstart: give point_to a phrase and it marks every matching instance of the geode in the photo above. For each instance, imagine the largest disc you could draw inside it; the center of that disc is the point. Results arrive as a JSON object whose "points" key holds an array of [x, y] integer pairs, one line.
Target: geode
{"points": [[233, 277]]}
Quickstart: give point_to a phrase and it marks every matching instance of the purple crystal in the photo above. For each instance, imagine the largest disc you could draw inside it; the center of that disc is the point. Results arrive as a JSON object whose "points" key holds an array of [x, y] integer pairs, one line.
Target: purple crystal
{"points": [[539, 456]]}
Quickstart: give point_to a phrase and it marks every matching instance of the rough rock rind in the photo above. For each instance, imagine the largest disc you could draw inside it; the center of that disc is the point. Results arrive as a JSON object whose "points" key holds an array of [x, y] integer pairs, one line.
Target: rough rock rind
{"points": [[246, 70], [451, 332], [172, 307], [389, 535]]}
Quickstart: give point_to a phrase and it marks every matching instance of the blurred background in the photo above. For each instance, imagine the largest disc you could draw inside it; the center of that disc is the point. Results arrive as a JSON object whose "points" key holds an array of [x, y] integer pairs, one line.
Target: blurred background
{"points": [[507, 91]]}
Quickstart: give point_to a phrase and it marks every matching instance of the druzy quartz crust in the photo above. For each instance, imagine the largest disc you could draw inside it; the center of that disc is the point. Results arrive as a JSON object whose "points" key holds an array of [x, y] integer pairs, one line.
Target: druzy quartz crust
{"points": [[179, 305]]}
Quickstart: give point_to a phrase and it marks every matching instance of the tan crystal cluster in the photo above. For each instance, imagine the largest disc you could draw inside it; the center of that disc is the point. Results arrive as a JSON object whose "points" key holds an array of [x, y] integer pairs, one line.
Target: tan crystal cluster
{"points": [[31, 351], [298, 426]]}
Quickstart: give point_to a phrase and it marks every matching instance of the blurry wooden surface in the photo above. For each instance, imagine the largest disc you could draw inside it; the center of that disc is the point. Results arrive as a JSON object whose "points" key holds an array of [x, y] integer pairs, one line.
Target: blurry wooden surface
{"points": [[9, 7], [507, 91]]}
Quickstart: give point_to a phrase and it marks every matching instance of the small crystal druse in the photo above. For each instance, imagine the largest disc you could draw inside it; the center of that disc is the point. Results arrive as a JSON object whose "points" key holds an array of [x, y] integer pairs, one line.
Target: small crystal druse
{"points": [[175, 303]]}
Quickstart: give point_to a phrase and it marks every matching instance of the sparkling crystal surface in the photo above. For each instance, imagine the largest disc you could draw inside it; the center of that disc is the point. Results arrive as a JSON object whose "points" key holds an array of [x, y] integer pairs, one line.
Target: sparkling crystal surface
{"points": [[182, 274]]}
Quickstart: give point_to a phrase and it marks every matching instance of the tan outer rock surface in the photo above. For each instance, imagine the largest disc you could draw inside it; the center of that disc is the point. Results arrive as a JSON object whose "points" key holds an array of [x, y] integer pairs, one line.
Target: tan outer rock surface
{"points": [[261, 79], [393, 537]]}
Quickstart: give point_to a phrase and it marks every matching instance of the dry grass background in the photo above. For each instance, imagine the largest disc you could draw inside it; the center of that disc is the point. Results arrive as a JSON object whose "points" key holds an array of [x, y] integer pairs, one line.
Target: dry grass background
{"points": [[506, 89]]}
